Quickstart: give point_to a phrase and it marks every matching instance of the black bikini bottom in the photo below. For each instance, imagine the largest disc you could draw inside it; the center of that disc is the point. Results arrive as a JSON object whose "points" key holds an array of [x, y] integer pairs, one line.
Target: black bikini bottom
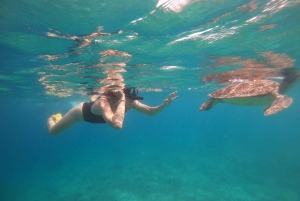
{"points": [[88, 116]]}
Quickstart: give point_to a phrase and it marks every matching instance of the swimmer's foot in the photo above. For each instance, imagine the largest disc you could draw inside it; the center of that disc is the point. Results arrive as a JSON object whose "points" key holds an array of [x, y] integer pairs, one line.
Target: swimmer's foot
{"points": [[56, 117]]}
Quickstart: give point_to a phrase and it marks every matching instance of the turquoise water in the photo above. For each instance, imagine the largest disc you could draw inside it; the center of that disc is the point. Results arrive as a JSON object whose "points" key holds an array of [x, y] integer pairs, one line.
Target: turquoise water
{"points": [[195, 47]]}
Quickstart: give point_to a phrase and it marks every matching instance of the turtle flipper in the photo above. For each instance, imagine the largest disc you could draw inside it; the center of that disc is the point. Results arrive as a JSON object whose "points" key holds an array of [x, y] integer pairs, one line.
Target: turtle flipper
{"points": [[280, 103], [208, 104]]}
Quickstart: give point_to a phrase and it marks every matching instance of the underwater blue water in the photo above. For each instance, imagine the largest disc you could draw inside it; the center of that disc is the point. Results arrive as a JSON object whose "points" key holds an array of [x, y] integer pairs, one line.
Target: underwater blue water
{"points": [[229, 153]]}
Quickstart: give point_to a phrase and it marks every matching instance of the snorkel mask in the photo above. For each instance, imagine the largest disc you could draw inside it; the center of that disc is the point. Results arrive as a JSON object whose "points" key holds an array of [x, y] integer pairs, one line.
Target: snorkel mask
{"points": [[131, 92]]}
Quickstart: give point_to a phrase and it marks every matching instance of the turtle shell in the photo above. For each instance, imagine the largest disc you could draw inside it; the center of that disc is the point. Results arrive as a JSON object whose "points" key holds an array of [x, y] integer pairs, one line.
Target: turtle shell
{"points": [[246, 89]]}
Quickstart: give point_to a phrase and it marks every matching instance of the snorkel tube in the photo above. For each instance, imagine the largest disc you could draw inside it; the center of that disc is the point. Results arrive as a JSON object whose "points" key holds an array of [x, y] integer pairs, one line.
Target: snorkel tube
{"points": [[132, 92]]}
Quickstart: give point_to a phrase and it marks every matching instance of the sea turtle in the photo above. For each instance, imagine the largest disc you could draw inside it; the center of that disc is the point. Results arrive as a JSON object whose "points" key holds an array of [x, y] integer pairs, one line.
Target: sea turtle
{"points": [[256, 92]]}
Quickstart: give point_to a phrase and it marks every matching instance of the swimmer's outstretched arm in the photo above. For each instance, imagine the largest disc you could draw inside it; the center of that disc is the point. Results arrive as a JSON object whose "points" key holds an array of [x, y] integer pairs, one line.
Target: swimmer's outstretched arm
{"points": [[151, 111]]}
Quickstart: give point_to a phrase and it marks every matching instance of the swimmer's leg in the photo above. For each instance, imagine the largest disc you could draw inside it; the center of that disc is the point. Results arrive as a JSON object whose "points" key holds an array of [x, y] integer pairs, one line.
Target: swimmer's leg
{"points": [[57, 125]]}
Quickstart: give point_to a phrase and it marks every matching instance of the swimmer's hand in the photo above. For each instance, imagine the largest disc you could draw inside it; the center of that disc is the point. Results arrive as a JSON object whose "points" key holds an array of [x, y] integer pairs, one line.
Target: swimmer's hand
{"points": [[119, 94], [171, 97]]}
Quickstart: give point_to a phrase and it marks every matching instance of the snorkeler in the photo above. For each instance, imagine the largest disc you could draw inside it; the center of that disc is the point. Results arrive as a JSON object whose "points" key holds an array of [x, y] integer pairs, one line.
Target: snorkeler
{"points": [[82, 40], [109, 108]]}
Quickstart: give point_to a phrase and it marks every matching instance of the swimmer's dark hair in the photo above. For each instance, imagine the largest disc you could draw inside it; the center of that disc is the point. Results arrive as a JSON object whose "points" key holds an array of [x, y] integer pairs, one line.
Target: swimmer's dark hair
{"points": [[132, 92], [129, 92]]}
